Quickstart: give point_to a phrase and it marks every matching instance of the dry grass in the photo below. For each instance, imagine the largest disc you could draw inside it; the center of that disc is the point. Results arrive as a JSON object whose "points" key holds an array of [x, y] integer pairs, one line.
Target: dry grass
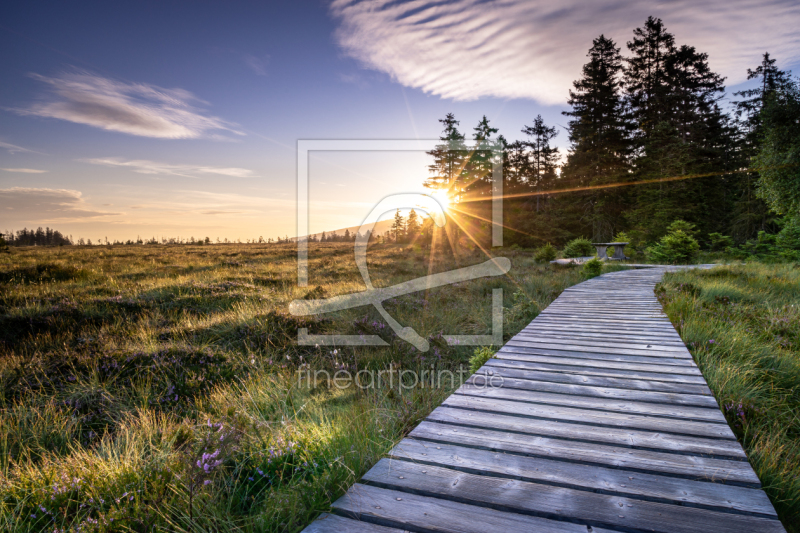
{"points": [[121, 366]]}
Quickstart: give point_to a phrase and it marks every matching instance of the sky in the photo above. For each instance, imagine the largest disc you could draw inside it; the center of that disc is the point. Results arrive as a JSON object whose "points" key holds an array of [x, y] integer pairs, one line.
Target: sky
{"points": [[181, 119]]}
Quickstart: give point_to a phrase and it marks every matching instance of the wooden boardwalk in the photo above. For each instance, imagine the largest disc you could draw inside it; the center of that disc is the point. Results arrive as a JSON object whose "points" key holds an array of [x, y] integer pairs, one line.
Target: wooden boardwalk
{"points": [[602, 423]]}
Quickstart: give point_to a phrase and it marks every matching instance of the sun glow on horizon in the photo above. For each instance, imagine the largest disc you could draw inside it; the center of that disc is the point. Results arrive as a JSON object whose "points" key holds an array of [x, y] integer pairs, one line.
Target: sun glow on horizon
{"points": [[441, 196]]}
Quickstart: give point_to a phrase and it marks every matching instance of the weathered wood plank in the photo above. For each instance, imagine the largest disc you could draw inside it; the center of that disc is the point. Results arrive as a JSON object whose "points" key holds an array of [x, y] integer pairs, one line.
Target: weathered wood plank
{"points": [[560, 503], [511, 372], [331, 523], [681, 412], [523, 341], [522, 431], [566, 328], [589, 416], [422, 513], [595, 371], [606, 344], [589, 477], [499, 378], [530, 362], [672, 364]]}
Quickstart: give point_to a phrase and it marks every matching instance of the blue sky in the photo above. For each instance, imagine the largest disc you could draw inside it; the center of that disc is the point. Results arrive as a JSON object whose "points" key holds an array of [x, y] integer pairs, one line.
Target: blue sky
{"points": [[170, 119]]}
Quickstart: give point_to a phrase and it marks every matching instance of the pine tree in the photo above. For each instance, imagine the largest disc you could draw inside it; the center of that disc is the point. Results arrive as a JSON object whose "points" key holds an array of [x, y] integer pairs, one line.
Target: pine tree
{"points": [[751, 213], [646, 74], [680, 131], [478, 171], [543, 157], [398, 227], [448, 159], [413, 225], [599, 135]]}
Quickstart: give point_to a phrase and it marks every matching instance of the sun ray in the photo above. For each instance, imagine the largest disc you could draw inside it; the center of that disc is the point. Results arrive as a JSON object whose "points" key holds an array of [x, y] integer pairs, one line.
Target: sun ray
{"points": [[624, 184]]}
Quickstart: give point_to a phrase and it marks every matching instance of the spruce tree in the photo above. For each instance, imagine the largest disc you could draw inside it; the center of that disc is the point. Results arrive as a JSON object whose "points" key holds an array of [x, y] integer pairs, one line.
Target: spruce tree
{"points": [[599, 136], [751, 213], [448, 158], [543, 157], [680, 131]]}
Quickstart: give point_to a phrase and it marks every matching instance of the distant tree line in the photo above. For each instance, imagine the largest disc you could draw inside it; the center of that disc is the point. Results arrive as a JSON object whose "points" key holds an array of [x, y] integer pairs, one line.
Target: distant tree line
{"points": [[37, 237], [649, 144]]}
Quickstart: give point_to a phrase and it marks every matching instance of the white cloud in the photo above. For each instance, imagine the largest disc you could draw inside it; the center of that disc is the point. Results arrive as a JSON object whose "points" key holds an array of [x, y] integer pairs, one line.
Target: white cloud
{"points": [[24, 170], [143, 166], [468, 49], [20, 205], [257, 64], [13, 148], [134, 108]]}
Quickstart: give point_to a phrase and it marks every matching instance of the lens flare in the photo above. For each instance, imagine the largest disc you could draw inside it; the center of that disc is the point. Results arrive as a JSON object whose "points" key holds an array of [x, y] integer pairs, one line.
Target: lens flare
{"points": [[442, 197]]}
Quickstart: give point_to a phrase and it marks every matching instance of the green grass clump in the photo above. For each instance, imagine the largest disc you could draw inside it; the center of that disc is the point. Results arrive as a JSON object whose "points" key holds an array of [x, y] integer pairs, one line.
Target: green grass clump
{"points": [[742, 325], [481, 355], [123, 367]]}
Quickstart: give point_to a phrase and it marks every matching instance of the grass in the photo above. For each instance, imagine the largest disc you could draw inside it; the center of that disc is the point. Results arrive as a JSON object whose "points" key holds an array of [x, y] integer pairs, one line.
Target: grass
{"points": [[152, 388], [742, 324]]}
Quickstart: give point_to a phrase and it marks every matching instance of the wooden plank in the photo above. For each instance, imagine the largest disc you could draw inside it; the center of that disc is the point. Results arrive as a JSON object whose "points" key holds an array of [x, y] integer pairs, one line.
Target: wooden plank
{"points": [[681, 412], [331, 523], [575, 349], [595, 371], [588, 477], [598, 330], [592, 335], [593, 417], [561, 503], [497, 366], [523, 430], [498, 377], [609, 324], [637, 318], [593, 357], [422, 513], [602, 340]]}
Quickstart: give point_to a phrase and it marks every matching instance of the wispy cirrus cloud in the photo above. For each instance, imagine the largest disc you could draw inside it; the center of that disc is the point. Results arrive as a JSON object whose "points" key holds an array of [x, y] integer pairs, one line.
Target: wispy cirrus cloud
{"points": [[143, 166], [20, 205], [133, 108], [25, 170], [14, 149], [257, 64], [468, 49]]}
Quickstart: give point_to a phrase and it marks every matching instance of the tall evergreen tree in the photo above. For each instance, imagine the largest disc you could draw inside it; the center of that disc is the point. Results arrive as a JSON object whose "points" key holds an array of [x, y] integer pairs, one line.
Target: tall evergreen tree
{"points": [[673, 98], [751, 213], [599, 133], [447, 169], [478, 170], [399, 227], [543, 156], [646, 75]]}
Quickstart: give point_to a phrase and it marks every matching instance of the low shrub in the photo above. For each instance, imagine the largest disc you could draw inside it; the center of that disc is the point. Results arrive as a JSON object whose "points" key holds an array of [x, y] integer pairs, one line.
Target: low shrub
{"points": [[546, 253], [719, 242], [579, 247], [677, 247], [481, 355], [788, 240], [593, 268]]}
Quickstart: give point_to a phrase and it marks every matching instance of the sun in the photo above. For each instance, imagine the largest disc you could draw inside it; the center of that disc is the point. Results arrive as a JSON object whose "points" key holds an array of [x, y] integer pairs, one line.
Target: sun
{"points": [[442, 197]]}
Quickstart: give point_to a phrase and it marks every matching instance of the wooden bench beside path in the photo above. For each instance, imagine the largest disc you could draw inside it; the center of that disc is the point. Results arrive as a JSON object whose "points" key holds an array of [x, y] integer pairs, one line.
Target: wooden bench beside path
{"points": [[603, 423]]}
